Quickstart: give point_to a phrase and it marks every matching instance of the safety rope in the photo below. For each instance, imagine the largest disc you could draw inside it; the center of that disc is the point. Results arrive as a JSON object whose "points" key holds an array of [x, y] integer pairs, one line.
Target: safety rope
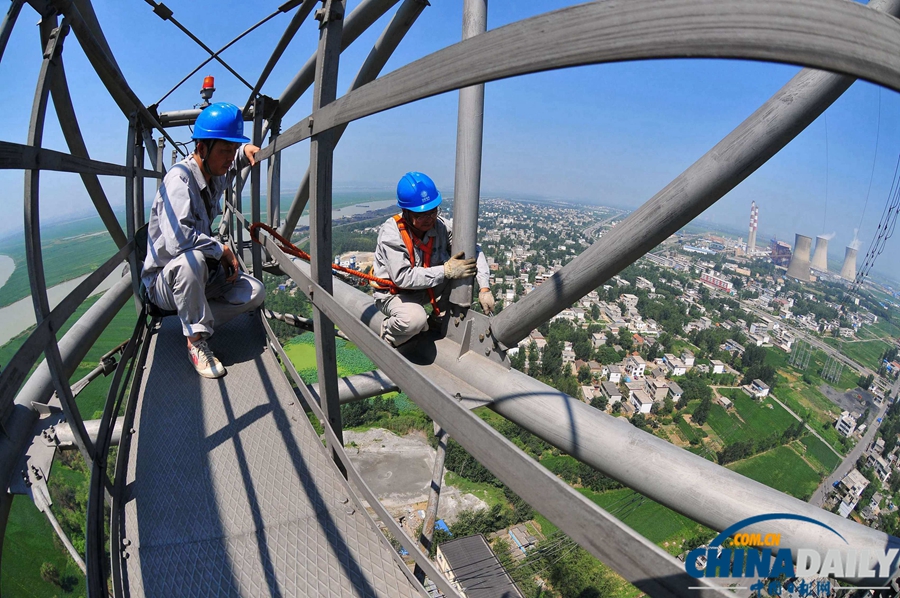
{"points": [[291, 249]]}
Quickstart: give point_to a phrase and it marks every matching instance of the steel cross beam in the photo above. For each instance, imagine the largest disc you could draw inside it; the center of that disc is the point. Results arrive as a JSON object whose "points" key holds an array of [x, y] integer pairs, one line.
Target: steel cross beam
{"points": [[384, 47], [661, 471], [644, 564], [826, 35]]}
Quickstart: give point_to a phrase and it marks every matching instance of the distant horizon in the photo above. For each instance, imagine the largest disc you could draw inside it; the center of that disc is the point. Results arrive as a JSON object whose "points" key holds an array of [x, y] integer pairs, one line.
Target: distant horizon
{"points": [[708, 224]]}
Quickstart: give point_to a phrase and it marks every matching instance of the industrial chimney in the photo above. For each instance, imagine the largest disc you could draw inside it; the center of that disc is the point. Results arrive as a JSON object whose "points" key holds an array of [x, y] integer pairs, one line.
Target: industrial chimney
{"points": [[754, 221], [799, 266], [848, 272], [820, 257]]}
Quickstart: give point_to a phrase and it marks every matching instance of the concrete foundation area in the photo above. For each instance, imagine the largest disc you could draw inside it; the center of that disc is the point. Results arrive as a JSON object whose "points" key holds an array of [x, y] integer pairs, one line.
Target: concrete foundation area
{"points": [[398, 470]]}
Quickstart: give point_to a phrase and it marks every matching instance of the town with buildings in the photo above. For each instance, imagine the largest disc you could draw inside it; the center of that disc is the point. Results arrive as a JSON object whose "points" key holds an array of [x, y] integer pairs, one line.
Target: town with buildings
{"points": [[758, 358], [734, 351]]}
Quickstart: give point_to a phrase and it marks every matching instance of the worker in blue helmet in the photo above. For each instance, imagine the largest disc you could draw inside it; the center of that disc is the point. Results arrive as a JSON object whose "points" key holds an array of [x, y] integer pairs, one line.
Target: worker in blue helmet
{"points": [[187, 269], [413, 252]]}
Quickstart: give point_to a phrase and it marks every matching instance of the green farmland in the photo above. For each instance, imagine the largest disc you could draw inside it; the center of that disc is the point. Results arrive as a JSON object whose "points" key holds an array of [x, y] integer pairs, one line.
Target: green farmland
{"points": [[783, 469]]}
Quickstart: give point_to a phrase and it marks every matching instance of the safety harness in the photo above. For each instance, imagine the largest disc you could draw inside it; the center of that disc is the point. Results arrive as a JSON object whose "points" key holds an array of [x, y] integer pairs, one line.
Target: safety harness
{"points": [[382, 284], [411, 242]]}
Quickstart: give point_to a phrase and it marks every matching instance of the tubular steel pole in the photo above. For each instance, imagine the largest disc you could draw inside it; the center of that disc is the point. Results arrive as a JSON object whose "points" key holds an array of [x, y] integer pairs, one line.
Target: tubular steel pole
{"points": [[469, 137], [739, 154], [131, 206], [255, 178], [138, 177], [384, 47], [161, 148], [434, 497], [321, 163], [273, 186]]}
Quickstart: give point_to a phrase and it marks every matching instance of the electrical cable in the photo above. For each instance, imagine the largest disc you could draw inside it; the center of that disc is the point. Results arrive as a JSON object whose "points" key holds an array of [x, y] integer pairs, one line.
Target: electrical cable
{"points": [[874, 160]]}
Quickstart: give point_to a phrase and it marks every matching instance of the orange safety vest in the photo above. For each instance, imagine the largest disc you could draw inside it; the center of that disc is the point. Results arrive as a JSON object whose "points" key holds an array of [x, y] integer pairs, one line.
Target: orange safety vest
{"points": [[411, 242]]}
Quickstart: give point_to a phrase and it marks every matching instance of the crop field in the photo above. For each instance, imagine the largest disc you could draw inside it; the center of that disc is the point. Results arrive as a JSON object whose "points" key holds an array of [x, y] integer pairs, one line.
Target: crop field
{"points": [[762, 418], [783, 469], [819, 451], [867, 353], [652, 520]]}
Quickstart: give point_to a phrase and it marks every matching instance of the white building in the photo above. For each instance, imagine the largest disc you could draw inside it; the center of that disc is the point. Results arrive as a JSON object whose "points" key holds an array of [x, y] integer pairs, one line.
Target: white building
{"points": [[845, 424]]}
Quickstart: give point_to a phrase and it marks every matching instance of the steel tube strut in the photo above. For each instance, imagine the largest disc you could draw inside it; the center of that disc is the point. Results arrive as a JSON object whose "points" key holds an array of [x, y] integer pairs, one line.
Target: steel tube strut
{"points": [[384, 47], [358, 387], [645, 565], [687, 483], [38, 389], [469, 138], [321, 164], [787, 113]]}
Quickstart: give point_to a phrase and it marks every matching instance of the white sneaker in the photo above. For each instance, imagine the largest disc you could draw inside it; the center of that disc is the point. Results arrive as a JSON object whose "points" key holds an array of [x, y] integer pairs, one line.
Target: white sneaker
{"points": [[204, 361]]}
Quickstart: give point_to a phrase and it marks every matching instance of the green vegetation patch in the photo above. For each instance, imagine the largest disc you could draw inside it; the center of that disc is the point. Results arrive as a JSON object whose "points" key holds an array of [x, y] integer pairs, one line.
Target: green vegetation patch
{"points": [[783, 469], [762, 418], [489, 493], [28, 543], [819, 451], [867, 353], [302, 353]]}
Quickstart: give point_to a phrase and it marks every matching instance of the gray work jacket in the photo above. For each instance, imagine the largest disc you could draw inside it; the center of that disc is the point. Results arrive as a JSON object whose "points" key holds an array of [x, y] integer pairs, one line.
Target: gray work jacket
{"points": [[183, 212], [392, 259]]}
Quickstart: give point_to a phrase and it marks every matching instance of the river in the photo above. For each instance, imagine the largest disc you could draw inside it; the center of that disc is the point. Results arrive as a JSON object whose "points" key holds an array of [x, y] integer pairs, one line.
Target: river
{"points": [[19, 316]]}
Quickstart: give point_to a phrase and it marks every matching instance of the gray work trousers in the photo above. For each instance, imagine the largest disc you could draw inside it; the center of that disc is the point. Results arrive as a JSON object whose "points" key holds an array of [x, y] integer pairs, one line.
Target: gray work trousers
{"points": [[406, 316], [202, 301]]}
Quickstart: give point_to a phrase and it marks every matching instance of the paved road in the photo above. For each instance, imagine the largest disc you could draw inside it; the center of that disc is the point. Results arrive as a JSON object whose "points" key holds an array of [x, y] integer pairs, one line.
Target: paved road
{"points": [[849, 462]]}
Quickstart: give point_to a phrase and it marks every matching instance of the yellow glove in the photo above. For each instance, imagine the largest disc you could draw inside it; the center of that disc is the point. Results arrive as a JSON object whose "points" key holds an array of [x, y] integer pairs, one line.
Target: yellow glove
{"points": [[486, 299]]}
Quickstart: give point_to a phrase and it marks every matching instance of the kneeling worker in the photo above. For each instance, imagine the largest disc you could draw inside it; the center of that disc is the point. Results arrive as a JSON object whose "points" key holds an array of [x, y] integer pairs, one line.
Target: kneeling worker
{"points": [[187, 270], [413, 251]]}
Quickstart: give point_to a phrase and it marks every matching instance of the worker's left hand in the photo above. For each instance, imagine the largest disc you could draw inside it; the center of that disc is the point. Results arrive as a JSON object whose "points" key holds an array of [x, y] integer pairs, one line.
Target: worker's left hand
{"points": [[486, 299], [229, 260], [250, 151]]}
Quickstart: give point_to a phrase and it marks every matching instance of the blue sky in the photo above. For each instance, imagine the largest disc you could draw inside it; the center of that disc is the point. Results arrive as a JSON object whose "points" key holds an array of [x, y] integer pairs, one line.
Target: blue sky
{"points": [[611, 134]]}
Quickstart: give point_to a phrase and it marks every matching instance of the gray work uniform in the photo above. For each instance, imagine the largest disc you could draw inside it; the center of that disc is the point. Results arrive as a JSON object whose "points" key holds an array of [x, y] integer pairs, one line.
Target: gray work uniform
{"points": [[182, 270], [405, 313]]}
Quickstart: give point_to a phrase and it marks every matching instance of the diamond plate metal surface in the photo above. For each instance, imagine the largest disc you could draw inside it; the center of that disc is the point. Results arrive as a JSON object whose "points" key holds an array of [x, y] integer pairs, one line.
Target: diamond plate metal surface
{"points": [[229, 490]]}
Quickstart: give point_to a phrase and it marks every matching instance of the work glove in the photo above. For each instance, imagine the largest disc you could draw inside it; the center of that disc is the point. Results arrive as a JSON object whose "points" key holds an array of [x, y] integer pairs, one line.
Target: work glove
{"points": [[459, 267], [486, 299]]}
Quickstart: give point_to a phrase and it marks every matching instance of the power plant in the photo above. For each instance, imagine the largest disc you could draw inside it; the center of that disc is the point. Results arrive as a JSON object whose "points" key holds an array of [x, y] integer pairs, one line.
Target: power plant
{"points": [[820, 257], [754, 223], [799, 266], [848, 271]]}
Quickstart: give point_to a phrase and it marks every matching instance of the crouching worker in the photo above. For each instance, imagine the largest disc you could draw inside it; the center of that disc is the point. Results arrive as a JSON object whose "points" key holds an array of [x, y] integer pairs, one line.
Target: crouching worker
{"points": [[186, 269], [413, 252]]}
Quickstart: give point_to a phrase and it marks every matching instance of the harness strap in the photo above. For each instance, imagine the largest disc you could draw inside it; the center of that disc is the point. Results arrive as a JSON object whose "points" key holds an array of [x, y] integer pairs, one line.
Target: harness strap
{"points": [[412, 241]]}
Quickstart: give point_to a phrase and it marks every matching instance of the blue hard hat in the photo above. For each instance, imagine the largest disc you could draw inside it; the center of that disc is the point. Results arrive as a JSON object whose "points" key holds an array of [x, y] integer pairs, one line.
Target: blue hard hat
{"points": [[220, 121], [416, 192]]}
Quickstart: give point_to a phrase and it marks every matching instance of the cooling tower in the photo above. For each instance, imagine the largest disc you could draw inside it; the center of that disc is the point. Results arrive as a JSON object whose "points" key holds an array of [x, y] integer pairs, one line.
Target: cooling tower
{"points": [[799, 266], [820, 257], [848, 272]]}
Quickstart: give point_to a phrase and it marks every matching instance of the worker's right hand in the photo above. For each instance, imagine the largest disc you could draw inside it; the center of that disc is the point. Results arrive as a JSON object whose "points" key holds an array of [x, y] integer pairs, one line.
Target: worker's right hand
{"points": [[459, 267], [230, 262]]}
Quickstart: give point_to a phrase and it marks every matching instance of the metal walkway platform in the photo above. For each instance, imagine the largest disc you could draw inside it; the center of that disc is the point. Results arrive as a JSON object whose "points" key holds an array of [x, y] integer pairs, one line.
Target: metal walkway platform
{"points": [[229, 490]]}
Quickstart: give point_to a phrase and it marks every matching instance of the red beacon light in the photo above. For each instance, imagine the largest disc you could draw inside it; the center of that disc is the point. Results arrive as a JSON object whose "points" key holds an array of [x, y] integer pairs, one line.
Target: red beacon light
{"points": [[209, 86]]}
